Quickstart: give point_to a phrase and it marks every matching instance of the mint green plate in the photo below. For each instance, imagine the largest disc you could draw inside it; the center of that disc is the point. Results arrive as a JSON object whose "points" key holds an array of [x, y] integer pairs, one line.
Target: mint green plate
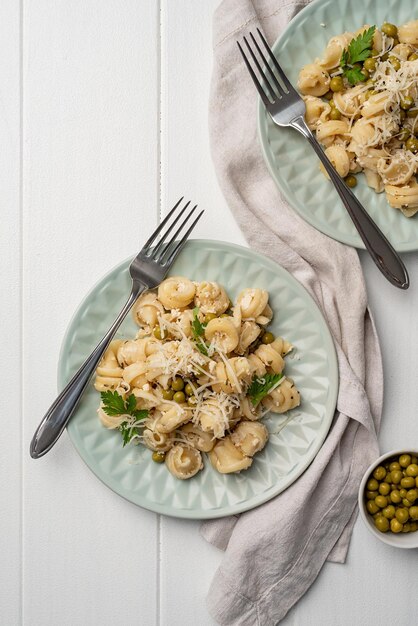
{"points": [[129, 471], [291, 160]]}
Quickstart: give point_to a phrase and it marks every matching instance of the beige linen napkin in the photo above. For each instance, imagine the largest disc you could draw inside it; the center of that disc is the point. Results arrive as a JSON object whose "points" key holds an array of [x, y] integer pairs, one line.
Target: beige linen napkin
{"points": [[274, 553]]}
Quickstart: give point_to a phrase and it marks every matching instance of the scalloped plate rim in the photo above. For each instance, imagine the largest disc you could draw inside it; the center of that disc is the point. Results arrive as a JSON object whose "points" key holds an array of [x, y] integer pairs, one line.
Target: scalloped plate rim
{"points": [[254, 501]]}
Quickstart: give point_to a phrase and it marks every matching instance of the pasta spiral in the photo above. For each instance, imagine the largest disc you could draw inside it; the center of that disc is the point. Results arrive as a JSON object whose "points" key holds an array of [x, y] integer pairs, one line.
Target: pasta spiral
{"points": [[183, 461], [176, 292], [222, 331], [211, 298], [250, 437], [283, 398], [109, 373], [252, 302], [227, 458]]}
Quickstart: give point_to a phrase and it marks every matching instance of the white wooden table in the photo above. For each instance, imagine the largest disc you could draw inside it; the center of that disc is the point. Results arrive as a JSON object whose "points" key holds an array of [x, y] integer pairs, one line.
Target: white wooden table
{"points": [[103, 122]]}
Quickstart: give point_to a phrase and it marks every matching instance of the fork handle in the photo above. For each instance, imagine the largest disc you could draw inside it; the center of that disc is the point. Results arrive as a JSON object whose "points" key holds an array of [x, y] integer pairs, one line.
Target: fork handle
{"points": [[381, 251], [59, 413]]}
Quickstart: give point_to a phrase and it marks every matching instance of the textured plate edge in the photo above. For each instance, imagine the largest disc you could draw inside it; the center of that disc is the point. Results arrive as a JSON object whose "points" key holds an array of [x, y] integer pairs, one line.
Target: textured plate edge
{"points": [[355, 242], [329, 407]]}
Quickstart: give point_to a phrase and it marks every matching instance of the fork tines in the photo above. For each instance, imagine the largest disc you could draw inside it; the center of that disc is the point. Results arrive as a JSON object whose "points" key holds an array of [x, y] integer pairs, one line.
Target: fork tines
{"points": [[281, 85], [164, 252]]}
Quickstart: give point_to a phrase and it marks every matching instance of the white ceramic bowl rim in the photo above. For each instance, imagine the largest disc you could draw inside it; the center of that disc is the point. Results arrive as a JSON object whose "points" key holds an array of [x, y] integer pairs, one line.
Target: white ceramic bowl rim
{"points": [[401, 540]]}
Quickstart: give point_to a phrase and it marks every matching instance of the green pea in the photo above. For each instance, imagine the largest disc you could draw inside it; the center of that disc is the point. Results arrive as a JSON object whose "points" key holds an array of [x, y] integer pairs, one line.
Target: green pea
{"points": [[414, 460], [374, 52], [157, 332], [406, 102], [412, 495], [404, 134], [395, 525], [267, 338], [402, 493], [414, 526], [372, 507], [365, 73], [328, 95], [412, 113], [384, 489], [395, 496], [350, 180], [406, 503], [394, 466], [158, 457], [381, 501], [192, 400], [388, 477], [332, 104], [370, 495], [389, 29], [334, 114], [370, 64], [336, 83], [379, 473], [389, 511], [407, 482], [179, 397], [177, 383], [395, 63], [372, 484], [413, 512], [406, 528], [412, 470], [402, 515], [382, 524], [413, 57], [402, 115], [385, 56], [412, 145], [396, 476], [209, 317], [168, 394], [189, 389]]}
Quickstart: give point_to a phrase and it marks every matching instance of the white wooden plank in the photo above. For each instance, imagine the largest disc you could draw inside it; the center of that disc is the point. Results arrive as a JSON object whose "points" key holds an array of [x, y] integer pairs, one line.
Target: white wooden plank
{"points": [[91, 188], [186, 165], [10, 251]]}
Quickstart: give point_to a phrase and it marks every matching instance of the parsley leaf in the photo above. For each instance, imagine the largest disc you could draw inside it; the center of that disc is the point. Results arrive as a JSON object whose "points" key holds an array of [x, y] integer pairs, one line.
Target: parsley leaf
{"points": [[114, 404], [354, 75], [359, 49], [198, 329], [261, 386]]}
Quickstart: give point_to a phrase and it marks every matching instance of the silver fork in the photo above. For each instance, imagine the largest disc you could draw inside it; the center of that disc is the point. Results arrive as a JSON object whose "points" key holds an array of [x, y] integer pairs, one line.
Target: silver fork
{"points": [[287, 108], [147, 270]]}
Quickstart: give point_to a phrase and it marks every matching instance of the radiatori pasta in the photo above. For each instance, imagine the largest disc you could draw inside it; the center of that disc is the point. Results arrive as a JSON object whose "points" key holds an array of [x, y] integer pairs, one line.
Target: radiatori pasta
{"points": [[361, 100], [198, 377]]}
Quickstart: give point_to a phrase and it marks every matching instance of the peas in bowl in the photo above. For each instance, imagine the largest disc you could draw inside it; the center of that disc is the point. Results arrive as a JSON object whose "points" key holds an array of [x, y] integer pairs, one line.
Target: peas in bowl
{"points": [[388, 498]]}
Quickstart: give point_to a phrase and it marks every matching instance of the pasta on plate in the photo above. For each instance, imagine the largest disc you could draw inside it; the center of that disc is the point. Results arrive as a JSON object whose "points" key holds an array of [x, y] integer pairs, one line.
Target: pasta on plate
{"points": [[361, 101], [197, 378]]}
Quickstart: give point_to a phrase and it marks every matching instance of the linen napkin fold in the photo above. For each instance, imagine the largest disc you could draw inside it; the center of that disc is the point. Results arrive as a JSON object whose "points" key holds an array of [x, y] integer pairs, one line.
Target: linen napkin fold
{"points": [[274, 552]]}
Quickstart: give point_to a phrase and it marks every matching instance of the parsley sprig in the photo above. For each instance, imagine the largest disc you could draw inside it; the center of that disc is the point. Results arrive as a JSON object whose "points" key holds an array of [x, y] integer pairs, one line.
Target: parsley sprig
{"points": [[261, 386], [359, 49], [198, 330], [114, 404]]}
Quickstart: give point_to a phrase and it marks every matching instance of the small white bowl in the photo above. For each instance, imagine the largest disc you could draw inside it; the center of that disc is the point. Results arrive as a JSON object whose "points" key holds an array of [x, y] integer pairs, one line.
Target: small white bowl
{"points": [[398, 540]]}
